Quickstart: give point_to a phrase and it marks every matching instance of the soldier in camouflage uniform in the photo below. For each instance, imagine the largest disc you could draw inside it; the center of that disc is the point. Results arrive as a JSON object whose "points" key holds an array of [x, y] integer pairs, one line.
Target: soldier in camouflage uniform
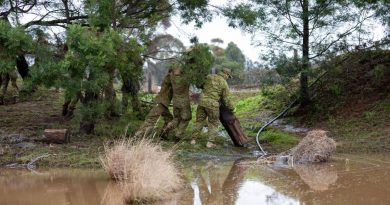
{"points": [[70, 104], [181, 103], [4, 81], [214, 90], [163, 99]]}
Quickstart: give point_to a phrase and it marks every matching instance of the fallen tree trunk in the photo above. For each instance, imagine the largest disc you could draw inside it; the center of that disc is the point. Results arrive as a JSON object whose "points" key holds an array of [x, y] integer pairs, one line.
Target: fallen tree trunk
{"points": [[232, 126], [58, 136]]}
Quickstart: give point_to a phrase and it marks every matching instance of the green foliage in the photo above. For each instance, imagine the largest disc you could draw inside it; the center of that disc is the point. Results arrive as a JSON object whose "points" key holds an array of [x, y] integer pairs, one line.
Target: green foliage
{"points": [[194, 10], [381, 8], [380, 72], [197, 64], [243, 15], [232, 58], [369, 116], [233, 53], [94, 55], [92, 59], [335, 90], [286, 67], [13, 42], [141, 15]]}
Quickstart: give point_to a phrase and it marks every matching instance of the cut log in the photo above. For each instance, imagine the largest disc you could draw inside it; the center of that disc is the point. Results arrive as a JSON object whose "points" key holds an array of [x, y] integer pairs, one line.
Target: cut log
{"points": [[58, 136], [232, 126]]}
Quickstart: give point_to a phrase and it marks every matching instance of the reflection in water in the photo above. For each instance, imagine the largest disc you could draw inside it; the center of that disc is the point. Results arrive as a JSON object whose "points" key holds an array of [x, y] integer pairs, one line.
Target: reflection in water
{"points": [[234, 188], [317, 176], [57, 187], [222, 183], [218, 191]]}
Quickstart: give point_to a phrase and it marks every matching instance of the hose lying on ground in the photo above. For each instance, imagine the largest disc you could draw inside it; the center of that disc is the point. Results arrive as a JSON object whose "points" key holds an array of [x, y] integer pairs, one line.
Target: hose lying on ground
{"points": [[281, 114]]}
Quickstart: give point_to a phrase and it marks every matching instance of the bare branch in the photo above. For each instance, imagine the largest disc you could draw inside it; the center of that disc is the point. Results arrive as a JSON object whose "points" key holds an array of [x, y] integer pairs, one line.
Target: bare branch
{"points": [[54, 22]]}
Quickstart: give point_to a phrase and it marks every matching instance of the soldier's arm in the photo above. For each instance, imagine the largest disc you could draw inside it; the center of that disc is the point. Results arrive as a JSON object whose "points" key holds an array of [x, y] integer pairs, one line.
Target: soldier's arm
{"points": [[226, 95], [166, 81]]}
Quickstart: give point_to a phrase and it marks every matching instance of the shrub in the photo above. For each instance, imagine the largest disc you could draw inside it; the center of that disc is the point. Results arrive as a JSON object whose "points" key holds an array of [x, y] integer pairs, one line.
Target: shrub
{"points": [[144, 171]]}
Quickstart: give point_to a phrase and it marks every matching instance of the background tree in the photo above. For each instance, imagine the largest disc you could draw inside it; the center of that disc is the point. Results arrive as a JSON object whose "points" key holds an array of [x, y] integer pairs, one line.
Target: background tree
{"points": [[313, 27], [232, 58]]}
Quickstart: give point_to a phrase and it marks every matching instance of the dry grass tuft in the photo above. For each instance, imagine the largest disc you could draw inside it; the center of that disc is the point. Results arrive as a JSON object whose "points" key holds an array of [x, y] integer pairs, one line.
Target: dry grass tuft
{"points": [[316, 146], [144, 171]]}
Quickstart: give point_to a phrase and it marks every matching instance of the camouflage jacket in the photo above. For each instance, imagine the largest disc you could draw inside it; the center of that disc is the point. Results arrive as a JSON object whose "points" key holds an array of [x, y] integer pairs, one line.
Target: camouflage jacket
{"points": [[165, 95], [180, 88], [214, 90]]}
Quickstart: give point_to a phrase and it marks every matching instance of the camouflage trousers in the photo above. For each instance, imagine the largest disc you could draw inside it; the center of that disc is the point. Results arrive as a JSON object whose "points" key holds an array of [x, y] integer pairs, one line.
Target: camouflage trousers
{"points": [[4, 79], [70, 104], [151, 119], [212, 116], [181, 118]]}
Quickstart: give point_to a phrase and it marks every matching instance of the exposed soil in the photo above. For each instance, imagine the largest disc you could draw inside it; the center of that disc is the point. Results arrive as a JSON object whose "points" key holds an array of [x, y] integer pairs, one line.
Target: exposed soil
{"points": [[31, 117]]}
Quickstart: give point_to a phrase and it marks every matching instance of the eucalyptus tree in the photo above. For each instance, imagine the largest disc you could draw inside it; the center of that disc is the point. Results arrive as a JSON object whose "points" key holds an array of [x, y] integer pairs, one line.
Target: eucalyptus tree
{"points": [[312, 26]]}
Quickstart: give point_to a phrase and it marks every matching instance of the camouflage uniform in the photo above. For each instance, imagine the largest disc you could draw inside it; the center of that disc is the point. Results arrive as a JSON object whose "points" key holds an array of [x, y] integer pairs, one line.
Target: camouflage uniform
{"points": [[162, 100], [181, 103], [70, 104], [5, 78], [214, 90]]}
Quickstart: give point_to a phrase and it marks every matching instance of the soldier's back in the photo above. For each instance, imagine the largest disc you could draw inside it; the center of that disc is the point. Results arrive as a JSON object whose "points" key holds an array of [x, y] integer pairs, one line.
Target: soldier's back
{"points": [[180, 87], [212, 90]]}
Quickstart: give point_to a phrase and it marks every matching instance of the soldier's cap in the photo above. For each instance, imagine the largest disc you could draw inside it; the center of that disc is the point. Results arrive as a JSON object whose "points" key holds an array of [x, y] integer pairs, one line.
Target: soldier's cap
{"points": [[227, 71]]}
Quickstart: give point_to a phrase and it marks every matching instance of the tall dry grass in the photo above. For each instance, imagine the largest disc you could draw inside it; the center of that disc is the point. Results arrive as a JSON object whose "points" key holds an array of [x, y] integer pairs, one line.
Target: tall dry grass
{"points": [[144, 171]]}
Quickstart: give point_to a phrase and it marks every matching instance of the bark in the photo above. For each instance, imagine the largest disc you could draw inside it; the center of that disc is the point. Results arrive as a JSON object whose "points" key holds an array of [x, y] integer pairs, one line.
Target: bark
{"points": [[232, 126], [110, 97], [304, 94], [88, 120], [131, 89], [58, 136]]}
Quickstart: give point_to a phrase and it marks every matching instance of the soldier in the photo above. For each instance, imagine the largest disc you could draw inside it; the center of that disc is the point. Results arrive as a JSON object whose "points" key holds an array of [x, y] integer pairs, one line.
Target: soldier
{"points": [[5, 78], [163, 99], [181, 103], [70, 104], [214, 90]]}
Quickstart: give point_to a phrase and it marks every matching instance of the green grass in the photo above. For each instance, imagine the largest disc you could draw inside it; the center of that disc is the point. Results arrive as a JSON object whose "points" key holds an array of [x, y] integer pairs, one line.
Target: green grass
{"points": [[249, 105], [279, 140]]}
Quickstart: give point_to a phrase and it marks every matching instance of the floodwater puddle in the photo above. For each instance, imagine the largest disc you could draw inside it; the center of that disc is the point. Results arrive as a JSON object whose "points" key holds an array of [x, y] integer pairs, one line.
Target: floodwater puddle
{"points": [[345, 180]]}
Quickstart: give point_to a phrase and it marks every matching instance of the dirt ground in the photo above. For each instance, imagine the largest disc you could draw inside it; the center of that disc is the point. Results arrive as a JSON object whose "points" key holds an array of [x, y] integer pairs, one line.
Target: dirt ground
{"points": [[31, 117]]}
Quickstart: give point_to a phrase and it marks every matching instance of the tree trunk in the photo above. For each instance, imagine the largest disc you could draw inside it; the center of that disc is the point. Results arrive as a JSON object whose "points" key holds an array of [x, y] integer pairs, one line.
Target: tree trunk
{"points": [[88, 119], [110, 96], [304, 93]]}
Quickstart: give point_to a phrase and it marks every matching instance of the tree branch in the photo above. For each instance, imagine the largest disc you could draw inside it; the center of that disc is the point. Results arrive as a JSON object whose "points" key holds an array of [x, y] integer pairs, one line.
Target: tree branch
{"points": [[53, 22]]}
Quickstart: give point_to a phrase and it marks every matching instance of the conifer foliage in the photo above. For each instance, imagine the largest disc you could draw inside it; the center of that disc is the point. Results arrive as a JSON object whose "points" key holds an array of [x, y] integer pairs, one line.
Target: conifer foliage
{"points": [[197, 63]]}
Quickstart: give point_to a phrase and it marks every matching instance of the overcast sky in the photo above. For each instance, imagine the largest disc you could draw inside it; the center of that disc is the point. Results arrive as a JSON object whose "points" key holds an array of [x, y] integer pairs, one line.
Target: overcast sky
{"points": [[218, 28]]}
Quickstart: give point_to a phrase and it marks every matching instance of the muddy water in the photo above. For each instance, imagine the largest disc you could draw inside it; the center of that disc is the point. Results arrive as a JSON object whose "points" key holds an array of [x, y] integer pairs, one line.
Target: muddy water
{"points": [[345, 180]]}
